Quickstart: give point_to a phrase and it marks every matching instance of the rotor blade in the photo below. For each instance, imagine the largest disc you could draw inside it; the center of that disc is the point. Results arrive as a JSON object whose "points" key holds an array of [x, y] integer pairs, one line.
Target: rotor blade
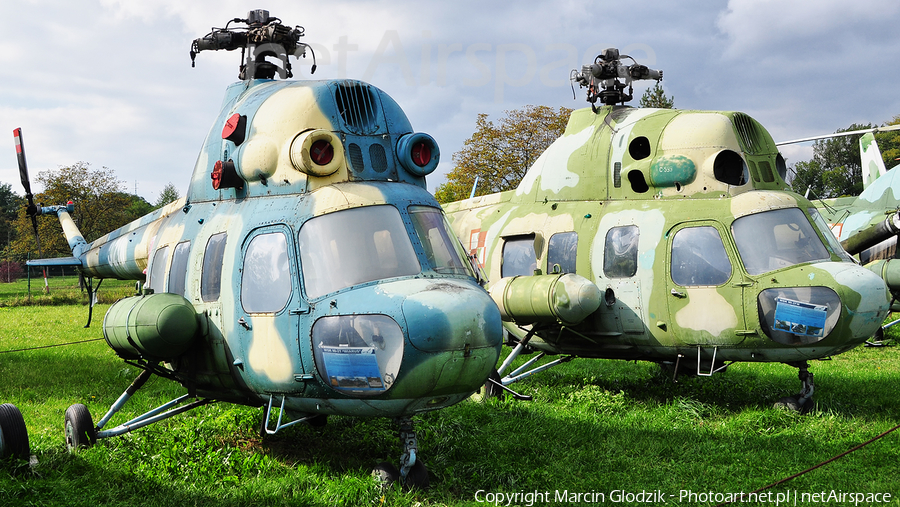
{"points": [[23, 167], [840, 134]]}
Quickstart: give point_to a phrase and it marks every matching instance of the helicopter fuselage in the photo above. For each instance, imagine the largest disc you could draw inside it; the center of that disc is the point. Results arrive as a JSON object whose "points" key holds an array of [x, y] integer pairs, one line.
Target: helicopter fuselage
{"points": [[321, 272], [685, 226]]}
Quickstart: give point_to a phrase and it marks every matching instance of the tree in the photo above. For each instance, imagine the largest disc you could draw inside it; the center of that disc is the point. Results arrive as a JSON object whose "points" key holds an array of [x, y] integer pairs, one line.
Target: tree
{"points": [[656, 97], [100, 207], [835, 169], [889, 144], [137, 206], [10, 271], [169, 194], [10, 203], [500, 154]]}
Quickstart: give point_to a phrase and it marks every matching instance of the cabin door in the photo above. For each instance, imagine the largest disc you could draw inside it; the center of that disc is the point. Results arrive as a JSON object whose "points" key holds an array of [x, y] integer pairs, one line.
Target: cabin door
{"points": [[704, 289], [268, 308]]}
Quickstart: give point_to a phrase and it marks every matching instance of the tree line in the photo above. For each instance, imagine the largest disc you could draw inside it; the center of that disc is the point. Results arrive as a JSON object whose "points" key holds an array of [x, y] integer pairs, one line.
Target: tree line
{"points": [[101, 205]]}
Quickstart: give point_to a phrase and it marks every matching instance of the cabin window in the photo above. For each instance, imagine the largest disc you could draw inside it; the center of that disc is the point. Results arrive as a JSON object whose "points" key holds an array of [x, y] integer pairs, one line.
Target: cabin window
{"points": [[777, 239], [561, 252], [620, 254], [158, 270], [699, 257], [178, 271], [519, 257], [266, 274], [355, 246], [445, 254], [211, 278]]}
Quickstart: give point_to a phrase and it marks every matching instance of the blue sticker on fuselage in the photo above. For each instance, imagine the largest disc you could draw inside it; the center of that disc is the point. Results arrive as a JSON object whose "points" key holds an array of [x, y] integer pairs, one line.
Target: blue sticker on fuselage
{"points": [[797, 317], [354, 368]]}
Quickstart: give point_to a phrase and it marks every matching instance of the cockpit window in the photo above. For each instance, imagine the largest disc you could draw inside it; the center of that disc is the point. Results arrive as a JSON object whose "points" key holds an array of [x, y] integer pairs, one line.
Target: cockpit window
{"points": [[699, 257], [354, 246], [777, 239], [443, 250]]}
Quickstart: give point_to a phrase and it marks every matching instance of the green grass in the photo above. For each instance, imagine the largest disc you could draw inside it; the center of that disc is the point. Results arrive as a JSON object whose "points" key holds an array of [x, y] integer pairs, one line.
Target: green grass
{"points": [[62, 290], [594, 426]]}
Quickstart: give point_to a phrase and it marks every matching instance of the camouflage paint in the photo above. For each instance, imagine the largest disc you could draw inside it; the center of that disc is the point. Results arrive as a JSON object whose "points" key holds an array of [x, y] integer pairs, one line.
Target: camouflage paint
{"points": [[663, 171], [451, 329]]}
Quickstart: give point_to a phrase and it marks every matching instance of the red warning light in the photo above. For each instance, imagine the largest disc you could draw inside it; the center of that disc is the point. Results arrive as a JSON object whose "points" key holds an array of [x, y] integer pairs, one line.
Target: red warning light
{"points": [[421, 154], [321, 152]]}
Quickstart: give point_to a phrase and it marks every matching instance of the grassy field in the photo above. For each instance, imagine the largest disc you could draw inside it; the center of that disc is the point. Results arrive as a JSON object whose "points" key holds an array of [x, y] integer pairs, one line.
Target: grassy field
{"points": [[62, 290], [595, 428]]}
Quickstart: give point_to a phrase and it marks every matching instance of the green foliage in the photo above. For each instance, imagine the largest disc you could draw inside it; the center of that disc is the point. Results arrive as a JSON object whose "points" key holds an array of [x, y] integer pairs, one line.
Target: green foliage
{"points": [[100, 207], [889, 144], [137, 207], [595, 425], [835, 169], [169, 194], [656, 97], [499, 154], [10, 204]]}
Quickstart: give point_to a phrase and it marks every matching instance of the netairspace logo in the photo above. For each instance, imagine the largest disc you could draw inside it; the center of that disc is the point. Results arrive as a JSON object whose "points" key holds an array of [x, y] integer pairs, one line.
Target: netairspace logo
{"points": [[658, 497]]}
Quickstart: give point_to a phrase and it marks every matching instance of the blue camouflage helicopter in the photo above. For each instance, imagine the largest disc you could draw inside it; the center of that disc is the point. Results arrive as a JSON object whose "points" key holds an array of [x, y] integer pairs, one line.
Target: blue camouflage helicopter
{"points": [[307, 270]]}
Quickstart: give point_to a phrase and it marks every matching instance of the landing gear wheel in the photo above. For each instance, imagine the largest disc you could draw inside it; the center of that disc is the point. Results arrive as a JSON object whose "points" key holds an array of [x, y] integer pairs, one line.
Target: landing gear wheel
{"points": [[80, 430], [13, 433], [492, 387], [386, 474], [417, 478]]}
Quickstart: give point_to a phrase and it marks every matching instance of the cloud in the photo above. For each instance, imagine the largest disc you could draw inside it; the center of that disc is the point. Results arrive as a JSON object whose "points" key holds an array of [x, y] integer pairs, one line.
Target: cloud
{"points": [[757, 29]]}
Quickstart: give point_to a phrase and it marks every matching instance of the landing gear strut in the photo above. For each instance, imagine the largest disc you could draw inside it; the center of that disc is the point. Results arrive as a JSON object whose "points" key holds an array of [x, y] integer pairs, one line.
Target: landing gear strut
{"points": [[412, 473], [801, 402]]}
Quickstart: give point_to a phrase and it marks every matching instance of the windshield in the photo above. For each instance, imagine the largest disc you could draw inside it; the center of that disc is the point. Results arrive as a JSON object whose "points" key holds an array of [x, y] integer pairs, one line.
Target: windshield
{"points": [[441, 247], [829, 234], [354, 246], [777, 239]]}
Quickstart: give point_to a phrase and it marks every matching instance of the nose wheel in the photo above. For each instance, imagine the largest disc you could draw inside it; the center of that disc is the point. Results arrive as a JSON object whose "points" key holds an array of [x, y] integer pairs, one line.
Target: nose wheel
{"points": [[412, 473], [802, 402]]}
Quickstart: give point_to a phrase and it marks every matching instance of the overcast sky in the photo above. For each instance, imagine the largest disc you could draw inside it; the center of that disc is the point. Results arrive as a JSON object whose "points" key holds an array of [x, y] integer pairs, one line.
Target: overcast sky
{"points": [[109, 82]]}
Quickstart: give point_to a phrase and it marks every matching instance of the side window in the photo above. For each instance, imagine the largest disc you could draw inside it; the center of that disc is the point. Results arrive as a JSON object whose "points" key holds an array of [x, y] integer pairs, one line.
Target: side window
{"points": [[519, 257], [620, 254], [178, 271], [699, 257], [158, 269], [561, 252], [266, 274], [211, 279]]}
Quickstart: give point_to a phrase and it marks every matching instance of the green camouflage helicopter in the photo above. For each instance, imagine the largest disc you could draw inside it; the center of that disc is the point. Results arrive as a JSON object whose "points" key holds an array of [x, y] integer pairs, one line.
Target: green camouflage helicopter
{"points": [[667, 236], [307, 270]]}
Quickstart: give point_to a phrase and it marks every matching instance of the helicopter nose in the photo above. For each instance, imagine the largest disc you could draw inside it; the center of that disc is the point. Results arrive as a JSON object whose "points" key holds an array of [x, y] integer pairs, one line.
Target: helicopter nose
{"points": [[865, 295], [843, 300], [449, 315]]}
